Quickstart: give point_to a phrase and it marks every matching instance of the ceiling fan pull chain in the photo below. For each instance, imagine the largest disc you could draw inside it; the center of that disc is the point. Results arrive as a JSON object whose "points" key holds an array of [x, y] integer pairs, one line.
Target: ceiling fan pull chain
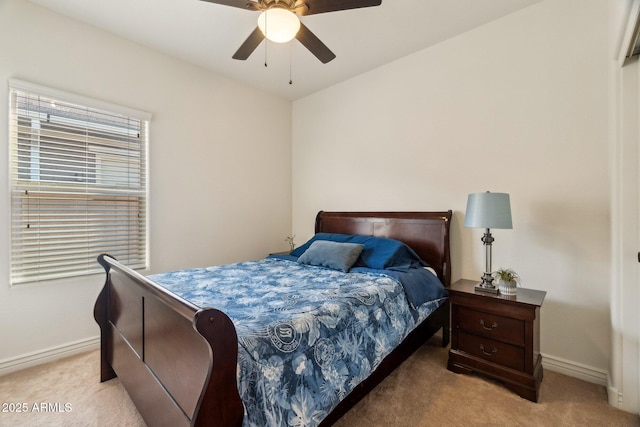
{"points": [[266, 42], [290, 62]]}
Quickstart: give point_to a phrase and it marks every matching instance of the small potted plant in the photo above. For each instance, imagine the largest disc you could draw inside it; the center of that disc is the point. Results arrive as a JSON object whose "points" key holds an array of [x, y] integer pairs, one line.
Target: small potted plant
{"points": [[289, 239], [507, 281]]}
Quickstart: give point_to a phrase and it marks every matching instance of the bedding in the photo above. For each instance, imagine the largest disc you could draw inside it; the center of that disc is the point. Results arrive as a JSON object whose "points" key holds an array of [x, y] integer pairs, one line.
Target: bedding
{"points": [[307, 335]]}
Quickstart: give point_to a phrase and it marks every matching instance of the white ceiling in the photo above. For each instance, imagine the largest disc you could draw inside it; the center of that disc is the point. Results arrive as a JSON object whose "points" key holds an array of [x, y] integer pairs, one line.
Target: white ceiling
{"points": [[208, 34]]}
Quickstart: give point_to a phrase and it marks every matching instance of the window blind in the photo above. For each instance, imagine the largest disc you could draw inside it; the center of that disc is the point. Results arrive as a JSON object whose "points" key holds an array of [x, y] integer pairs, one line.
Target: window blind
{"points": [[78, 173]]}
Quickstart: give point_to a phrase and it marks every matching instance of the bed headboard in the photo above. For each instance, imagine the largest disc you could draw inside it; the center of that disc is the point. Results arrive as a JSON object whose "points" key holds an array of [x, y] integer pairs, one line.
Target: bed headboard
{"points": [[427, 233]]}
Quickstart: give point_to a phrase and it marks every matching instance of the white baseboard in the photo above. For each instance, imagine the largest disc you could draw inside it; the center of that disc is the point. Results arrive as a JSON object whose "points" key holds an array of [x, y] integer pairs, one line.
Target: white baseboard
{"points": [[614, 397], [576, 370], [552, 363], [48, 355]]}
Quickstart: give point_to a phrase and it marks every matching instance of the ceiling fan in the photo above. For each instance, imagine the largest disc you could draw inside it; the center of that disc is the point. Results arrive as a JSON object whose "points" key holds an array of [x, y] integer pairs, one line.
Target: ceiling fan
{"points": [[279, 22]]}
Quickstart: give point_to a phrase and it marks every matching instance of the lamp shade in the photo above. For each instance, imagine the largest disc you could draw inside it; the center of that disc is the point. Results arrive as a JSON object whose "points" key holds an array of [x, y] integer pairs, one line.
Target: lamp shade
{"points": [[488, 210], [278, 25]]}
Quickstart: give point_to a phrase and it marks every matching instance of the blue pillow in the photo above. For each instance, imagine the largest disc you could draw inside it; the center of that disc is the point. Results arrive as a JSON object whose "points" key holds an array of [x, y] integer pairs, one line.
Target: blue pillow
{"points": [[389, 254], [336, 255], [379, 253]]}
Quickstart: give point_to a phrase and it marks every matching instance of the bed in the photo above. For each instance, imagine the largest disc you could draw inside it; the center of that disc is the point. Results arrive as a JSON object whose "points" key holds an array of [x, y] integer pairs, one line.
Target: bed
{"points": [[179, 360]]}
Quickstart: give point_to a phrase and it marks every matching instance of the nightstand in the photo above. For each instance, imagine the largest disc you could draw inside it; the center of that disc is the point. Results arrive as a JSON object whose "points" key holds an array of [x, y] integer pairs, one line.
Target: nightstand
{"points": [[497, 336]]}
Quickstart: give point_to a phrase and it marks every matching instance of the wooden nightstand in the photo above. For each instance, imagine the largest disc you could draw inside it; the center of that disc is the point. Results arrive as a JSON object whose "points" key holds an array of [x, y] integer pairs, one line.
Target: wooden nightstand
{"points": [[498, 336]]}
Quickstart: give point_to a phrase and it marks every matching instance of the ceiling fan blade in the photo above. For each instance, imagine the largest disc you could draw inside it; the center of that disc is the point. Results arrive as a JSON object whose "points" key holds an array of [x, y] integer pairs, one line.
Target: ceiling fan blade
{"points": [[314, 7], [313, 43], [242, 4], [249, 45]]}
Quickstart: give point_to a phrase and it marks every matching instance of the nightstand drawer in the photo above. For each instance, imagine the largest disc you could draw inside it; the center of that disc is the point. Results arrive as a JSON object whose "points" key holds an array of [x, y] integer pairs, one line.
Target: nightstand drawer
{"points": [[492, 350], [489, 325]]}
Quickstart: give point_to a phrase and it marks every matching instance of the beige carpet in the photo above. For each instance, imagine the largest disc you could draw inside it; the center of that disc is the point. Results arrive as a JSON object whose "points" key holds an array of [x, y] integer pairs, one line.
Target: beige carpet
{"points": [[419, 393]]}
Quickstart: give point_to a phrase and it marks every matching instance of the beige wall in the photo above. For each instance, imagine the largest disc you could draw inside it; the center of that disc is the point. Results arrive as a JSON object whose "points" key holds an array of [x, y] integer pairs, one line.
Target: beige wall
{"points": [[519, 106], [220, 178]]}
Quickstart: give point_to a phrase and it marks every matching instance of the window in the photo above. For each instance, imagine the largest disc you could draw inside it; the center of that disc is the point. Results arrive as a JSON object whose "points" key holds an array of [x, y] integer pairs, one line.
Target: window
{"points": [[78, 183]]}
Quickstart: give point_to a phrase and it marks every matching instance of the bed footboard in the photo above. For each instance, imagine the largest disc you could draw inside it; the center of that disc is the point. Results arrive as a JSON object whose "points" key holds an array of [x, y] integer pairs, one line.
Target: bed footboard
{"points": [[167, 353]]}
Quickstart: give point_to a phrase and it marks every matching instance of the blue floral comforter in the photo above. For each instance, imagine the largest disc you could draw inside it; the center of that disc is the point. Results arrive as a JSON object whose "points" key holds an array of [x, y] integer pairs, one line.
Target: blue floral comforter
{"points": [[307, 335]]}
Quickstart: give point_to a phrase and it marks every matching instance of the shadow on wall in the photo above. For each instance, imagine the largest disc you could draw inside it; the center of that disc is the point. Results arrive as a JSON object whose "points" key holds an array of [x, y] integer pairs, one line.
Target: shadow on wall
{"points": [[563, 330], [455, 244]]}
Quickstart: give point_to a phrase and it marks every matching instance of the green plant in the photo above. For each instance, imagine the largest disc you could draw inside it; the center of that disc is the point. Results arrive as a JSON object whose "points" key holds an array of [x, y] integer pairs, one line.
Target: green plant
{"points": [[507, 275], [289, 239]]}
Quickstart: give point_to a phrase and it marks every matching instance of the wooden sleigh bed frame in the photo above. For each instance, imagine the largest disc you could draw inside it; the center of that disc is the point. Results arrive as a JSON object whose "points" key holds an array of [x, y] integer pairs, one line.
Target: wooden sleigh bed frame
{"points": [[178, 362]]}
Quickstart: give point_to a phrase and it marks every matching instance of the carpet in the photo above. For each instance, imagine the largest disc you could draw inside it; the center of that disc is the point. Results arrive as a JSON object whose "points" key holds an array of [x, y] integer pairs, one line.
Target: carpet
{"points": [[421, 392]]}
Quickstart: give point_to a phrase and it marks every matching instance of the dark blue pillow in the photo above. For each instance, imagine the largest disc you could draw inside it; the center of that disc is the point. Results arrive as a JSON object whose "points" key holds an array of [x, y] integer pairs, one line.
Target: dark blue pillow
{"points": [[389, 254], [379, 253]]}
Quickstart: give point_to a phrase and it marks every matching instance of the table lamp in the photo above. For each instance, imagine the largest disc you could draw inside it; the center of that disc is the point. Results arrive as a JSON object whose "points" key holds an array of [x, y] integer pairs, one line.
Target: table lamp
{"points": [[488, 210]]}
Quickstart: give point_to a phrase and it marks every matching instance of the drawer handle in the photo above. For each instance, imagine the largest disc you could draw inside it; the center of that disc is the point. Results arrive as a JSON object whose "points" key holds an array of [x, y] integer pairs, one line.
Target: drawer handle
{"points": [[494, 351], [493, 325]]}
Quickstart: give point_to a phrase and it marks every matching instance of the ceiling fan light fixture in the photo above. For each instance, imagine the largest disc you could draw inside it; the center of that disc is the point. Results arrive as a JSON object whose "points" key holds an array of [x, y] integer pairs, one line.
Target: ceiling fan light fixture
{"points": [[278, 25]]}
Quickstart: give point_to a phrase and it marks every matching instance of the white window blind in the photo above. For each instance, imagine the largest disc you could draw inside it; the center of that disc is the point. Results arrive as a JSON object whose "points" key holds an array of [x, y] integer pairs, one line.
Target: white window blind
{"points": [[78, 183]]}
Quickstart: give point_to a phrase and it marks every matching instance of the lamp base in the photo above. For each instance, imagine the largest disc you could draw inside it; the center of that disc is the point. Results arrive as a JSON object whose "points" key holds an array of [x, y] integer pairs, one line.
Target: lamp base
{"points": [[486, 285], [487, 289]]}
